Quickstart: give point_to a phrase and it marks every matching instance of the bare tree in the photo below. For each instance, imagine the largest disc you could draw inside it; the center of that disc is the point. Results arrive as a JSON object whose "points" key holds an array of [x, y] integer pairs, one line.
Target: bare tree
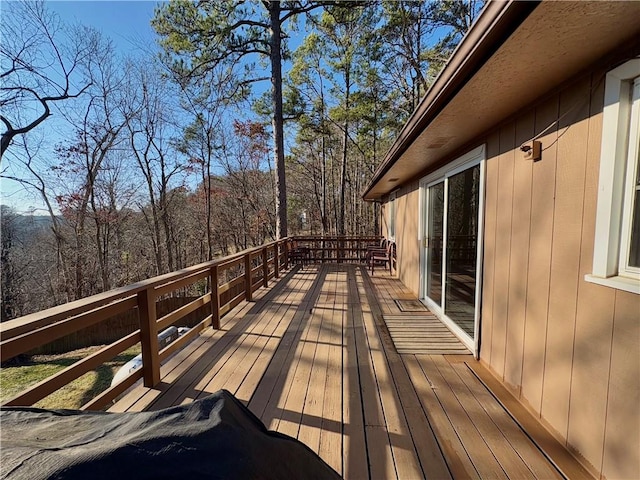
{"points": [[149, 127], [98, 136], [202, 141], [199, 36], [42, 62], [36, 177]]}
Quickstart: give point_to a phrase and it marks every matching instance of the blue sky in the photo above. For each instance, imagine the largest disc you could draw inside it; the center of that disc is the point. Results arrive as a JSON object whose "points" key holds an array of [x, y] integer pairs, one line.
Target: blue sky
{"points": [[127, 24]]}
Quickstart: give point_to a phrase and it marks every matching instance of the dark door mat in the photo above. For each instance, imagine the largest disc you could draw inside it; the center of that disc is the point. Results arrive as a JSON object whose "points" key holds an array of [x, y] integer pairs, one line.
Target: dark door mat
{"points": [[410, 305]]}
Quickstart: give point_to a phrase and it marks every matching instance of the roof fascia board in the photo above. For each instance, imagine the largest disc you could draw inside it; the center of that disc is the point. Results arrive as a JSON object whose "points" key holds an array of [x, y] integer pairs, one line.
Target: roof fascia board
{"points": [[497, 21]]}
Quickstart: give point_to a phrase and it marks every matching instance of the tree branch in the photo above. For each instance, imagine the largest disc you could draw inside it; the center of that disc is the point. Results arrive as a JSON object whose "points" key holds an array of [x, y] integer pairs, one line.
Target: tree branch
{"points": [[309, 7], [10, 133]]}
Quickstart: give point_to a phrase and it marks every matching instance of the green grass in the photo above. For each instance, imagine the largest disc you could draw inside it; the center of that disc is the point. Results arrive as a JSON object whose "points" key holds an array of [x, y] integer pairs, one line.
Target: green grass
{"points": [[15, 379]]}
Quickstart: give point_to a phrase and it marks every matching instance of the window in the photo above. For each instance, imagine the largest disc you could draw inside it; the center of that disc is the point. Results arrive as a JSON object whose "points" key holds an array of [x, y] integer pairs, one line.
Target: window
{"points": [[391, 231], [616, 260], [630, 233]]}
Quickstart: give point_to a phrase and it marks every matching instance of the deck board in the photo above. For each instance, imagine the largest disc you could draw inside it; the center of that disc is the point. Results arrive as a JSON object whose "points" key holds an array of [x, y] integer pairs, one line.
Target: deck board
{"points": [[429, 454], [313, 358], [481, 455], [404, 453]]}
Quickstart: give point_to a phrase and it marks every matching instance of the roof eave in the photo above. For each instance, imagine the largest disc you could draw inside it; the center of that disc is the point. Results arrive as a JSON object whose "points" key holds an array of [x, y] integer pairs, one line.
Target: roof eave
{"points": [[496, 22]]}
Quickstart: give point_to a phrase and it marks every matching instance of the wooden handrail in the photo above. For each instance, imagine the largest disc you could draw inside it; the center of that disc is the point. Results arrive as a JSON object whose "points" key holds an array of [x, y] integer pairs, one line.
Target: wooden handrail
{"points": [[148, 337], [60, 379], [26, 333], [247, 278], [27, 323], [15, 345], [215, 297], [336, 248], [52, 315], [31, 331]]}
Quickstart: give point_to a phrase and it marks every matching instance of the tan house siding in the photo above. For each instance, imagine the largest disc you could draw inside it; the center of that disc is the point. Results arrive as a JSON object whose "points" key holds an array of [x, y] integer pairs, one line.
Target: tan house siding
{"points": [[540, 242], [408, 215], [407, 220], [622, 426], [570, 350]]}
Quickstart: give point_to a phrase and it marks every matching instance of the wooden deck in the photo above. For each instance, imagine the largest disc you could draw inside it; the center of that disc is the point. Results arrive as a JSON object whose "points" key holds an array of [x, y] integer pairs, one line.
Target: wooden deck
{"points": [[312, 357]]}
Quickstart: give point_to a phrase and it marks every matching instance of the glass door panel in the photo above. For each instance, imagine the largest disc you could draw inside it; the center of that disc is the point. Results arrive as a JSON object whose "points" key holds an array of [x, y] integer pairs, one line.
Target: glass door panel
{"points": [[463, 196], [434, 242]]}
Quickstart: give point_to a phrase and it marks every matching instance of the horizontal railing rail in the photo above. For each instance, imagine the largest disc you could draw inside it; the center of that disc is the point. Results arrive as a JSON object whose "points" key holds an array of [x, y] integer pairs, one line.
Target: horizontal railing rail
{"points": [[230, 280], [336, 248], [223, 284]]}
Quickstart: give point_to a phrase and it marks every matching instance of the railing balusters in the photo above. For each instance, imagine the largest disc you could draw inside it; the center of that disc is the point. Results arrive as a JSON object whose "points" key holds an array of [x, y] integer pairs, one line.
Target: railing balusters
{"points": [[247, 277], [215, 298], [286, 254], [265, 268], [24, 334], [149, 337]]}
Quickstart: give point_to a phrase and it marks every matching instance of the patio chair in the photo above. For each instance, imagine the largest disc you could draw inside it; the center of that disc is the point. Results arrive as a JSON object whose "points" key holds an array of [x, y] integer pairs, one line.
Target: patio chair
{"points": [[383, 257], [379, 248], [300, 254]]}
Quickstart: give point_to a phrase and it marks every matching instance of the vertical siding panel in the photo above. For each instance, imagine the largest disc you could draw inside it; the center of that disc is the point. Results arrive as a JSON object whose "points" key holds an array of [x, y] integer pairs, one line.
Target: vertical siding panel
{"points": [[503, 242], [489, 246], [565, 255], [401, 209], [542, 204], [594, 318], [383, 216], [412, 244], [520, 225], [622, 435], [408, 246]]}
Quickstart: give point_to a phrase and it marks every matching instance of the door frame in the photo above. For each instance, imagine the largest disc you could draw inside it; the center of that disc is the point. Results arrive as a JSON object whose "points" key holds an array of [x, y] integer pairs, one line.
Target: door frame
{"points": [[477, 156]]}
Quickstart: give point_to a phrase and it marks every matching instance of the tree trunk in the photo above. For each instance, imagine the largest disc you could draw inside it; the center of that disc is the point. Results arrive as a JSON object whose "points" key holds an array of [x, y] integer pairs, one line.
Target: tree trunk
{"points": [[164, 209], [101, 244], [277, 120], [323, 166], [345, 143], [206, 183]]}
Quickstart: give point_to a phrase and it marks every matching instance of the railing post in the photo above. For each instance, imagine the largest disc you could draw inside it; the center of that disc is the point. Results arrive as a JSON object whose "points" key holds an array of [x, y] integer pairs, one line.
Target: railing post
{"points": [[276, 259], [265, 268], [149, 337], [247, 276], [215, 298], [286, 254]]}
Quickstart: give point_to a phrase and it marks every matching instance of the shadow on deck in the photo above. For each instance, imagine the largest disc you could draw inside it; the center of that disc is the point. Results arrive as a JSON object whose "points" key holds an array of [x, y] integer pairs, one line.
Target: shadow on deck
{"points": [[313, 359]]}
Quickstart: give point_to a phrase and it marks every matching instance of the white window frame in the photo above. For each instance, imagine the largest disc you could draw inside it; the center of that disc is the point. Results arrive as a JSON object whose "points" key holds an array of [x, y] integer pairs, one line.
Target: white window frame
{"points": [[391, 226], [620, 132], [477, 156], [630, 184]]}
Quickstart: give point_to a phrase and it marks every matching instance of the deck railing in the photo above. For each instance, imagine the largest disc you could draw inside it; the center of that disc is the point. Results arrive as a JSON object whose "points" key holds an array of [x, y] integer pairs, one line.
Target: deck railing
{"points": [[230, 280], [341, 249], [226, 281]]}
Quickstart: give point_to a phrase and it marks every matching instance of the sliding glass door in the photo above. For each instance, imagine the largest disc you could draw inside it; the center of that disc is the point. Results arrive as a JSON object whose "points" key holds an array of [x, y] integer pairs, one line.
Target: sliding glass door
{"points": [[434, 242], [451, 256], [462, 251]]}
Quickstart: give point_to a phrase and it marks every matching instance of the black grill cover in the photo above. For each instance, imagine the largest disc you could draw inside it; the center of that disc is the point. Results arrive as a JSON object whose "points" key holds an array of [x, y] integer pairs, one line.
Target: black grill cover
{"points": [[216, 437]]}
